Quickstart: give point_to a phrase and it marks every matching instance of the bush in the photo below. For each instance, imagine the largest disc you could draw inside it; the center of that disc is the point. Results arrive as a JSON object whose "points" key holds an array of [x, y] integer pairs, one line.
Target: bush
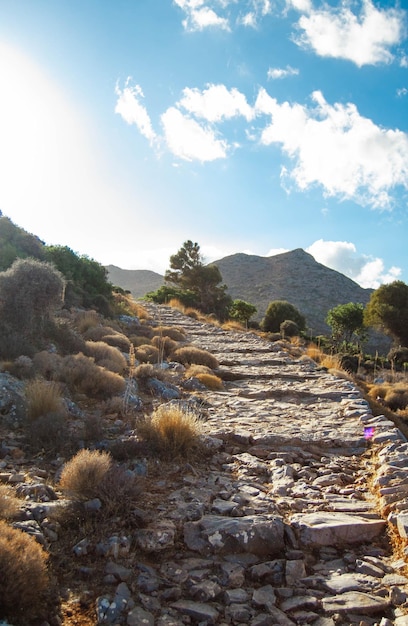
{"points": [[86, 320], [30, 292], [170, 432], [48, 433], [48, 364], [210, 381], [106, 356], [289, 329], [398, 356], [117, 340], [169, 331], [83, 375], [24, 576], [43, 397], [147, 354], [165, 345], [82, 475], [194, 370], [190, 354], [9, 503], [277, 312]]}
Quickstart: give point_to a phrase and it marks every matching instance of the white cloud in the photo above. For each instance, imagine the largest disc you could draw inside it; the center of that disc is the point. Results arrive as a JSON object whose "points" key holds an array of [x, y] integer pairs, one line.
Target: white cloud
{"points": [[402, 92], [275, 251], [200, 16], [188, 140], [364, 39], [216, 103], [304, 6], [367, 271], [129, 107], [335, 147], [279, 72]]}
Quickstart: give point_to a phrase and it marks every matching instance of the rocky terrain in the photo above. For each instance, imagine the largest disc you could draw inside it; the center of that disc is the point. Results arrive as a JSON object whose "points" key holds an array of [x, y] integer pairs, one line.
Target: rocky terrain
{"points": [[297, 515]]}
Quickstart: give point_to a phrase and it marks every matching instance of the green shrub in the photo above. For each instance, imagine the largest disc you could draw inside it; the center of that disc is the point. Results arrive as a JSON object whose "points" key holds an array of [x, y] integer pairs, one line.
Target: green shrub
{"points": [[289, 329], [279, 311], [24, 576]]}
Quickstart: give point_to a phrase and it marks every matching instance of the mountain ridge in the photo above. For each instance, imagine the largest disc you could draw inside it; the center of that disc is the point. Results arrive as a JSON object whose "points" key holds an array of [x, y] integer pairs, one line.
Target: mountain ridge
{"points": [[294, 276]]}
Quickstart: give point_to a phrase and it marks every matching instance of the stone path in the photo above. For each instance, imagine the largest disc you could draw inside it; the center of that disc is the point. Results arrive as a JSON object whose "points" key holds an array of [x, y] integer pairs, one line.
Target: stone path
{"points": [[283, 528]]}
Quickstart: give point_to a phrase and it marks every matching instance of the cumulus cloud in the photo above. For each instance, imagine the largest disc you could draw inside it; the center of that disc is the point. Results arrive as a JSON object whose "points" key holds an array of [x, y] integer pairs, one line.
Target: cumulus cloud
{"points": [[364, 39], [132, 111], [189, 140], [216, 103], [334, 147], [199, 15], [367, 271], [280, 72]]}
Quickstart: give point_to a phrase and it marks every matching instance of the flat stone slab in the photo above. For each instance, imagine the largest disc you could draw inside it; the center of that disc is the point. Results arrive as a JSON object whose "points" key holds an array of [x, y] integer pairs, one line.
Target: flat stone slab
{"points": [[335, 528], [262, 535], [355, 602]]}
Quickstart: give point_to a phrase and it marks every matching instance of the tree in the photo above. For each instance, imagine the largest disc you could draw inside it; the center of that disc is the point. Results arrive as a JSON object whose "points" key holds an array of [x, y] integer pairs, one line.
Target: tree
{"points": [[30, 292], [16, 243], [188, 272], [279, 311], [346, 320], [241, 311], [387, 310]]}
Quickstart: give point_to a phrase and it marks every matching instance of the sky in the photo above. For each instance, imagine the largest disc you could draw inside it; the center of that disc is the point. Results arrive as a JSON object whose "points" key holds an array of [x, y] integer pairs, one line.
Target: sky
{"points": [[130, 126]]}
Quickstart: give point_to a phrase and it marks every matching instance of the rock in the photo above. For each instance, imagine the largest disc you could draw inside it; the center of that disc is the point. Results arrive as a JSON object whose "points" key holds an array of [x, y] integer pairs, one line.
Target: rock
{"points": [[156, 538], [199, 611], [258, 534], [327, 529], [139, 617], [355, 602]]}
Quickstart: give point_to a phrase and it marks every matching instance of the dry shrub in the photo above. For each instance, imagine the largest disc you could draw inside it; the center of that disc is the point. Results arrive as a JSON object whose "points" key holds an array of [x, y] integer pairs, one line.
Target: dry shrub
{"points": [[147, 354], [170, 432], [9, 503], [84, 320], [165, 345], [118, 340], [190, 354], [48, 433], [24, 576], [314, 352], [330, 361], [139, 340], [193, 313], [92, 474], [175, 303], [43, 397], [177, 334], [233, 325], [48, 364], [97, 333], [394, 396], [83, 375], [82, 475], [106, 356], [22, 367], [195, 369], [210, 381]]}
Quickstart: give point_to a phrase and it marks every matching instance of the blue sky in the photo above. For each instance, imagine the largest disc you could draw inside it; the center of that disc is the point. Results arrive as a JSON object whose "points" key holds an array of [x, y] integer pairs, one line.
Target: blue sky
{"points": [[258, 126]]}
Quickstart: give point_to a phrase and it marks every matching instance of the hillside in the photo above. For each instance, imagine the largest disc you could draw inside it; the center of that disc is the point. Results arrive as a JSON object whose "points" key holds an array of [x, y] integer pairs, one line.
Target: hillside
{"points": [[138, 282], [294, 276]]}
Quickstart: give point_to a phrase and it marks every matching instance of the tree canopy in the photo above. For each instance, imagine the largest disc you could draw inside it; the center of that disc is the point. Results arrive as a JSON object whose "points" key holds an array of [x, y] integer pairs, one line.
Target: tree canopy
{"points": [[279, 311], [387, 310], [188, 273], [346, 320]]}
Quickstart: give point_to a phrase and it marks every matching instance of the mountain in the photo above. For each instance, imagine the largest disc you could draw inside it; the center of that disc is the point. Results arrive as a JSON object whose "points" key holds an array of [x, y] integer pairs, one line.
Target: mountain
{"points": [[294, 276], [138, 282]]}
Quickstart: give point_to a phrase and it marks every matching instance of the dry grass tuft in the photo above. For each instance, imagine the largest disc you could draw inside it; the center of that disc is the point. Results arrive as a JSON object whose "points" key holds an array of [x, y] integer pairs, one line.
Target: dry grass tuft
{"points": [[175, 303], [195, 369], [147, 353], [211, 381], [106, 356], [97, 333], [165, 345], [85, 320], [82, 475], [233, 325], [24, 576], [176, 334], [48, 364], [188, 355], [43, 397], [170, 432], [10, 504], [394, 396], [83, 375]]}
